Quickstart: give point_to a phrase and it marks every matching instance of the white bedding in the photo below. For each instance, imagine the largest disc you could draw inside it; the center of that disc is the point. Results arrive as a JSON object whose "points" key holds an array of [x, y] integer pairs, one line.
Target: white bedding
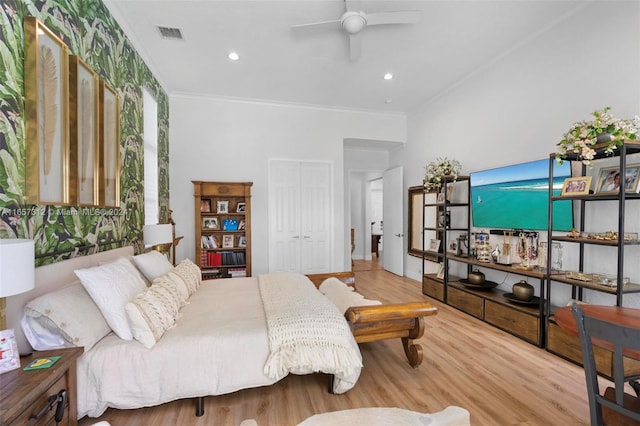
{"points": [[219, 345]]}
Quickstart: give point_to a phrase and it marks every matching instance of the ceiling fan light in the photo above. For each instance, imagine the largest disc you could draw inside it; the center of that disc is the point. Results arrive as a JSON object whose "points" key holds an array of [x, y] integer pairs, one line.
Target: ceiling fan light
{"points": [[353, 22]]}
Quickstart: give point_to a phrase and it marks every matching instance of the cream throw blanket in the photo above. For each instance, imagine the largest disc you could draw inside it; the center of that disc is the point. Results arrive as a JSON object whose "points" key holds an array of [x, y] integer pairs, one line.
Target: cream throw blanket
{"points": [[307, 332]]}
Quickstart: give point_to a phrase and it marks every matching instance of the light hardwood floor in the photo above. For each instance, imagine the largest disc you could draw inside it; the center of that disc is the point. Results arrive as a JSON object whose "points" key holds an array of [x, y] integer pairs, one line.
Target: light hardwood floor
{"points": [[499, 378]]}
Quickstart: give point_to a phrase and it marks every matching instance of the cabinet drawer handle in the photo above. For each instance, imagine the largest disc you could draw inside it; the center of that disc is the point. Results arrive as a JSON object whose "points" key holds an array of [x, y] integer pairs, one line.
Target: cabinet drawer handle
{"points": [[60, 399]]}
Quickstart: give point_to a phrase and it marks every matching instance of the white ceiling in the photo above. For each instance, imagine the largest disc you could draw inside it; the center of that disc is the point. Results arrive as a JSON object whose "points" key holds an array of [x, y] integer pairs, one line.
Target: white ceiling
{"points": [[453, 40]]}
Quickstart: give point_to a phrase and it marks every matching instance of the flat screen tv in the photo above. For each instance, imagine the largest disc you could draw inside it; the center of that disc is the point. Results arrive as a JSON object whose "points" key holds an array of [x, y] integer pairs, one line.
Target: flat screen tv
{"points": [[516, 197]]}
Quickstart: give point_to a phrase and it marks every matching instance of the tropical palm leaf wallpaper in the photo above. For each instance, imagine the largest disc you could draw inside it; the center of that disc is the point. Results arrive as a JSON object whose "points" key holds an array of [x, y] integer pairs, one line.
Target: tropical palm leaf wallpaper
{"points": [[89, 30]]}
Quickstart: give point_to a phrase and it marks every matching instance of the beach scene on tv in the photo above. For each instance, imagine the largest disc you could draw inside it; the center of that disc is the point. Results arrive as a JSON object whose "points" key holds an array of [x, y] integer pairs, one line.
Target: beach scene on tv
{"points": [[516, 197]]}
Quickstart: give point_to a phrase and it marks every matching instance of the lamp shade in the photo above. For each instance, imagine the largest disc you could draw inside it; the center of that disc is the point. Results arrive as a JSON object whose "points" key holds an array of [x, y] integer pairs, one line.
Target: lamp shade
{"points": [[158, 234], [17, 263]]}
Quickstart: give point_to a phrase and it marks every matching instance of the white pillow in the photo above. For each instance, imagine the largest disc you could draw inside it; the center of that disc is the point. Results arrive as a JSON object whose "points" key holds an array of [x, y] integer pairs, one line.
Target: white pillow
{"points": [[112, 286], [176, 286], [68, 315], [342, 295], [190, 273], [153, 312], [153, 264]]}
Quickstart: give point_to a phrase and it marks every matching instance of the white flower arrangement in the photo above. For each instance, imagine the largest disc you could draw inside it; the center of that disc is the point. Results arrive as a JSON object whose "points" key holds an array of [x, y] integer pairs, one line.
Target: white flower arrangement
{"points": [[436, 170], [583, 135]]}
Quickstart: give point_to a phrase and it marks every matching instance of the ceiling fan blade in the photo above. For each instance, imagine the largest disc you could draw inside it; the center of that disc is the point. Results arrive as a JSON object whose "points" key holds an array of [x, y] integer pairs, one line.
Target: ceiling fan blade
{"points": [[404, 17], [355, 46], [329, 25]]}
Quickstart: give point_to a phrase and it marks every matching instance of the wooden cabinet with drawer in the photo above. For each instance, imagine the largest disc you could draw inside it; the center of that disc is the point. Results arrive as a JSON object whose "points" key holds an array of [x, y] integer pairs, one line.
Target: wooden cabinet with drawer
{"points": [[521, 321], [567, 346], [433, 287], [465, 301], [27, 395]]}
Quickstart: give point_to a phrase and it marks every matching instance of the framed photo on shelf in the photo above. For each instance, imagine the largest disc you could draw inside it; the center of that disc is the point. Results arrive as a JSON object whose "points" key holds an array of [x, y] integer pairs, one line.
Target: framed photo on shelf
{"points": [[440, 274], [205, 206], [242, 241], [434, 245], [241, 225], [453, 247], [609, 179], [222, 207], [441, 198], [576, 186], [241, 207], [227, 241], [210, 223], [46, 71], [229, 225]]}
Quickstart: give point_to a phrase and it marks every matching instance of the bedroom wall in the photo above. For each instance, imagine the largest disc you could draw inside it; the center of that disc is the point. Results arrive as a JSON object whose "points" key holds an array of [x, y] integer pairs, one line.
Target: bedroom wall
{"points": [[89, 30], [518, 107], [232, 140]]}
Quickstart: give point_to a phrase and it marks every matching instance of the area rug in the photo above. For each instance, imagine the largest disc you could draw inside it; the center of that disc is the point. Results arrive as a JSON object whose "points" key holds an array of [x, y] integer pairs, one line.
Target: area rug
{"points": [[379, 416]]}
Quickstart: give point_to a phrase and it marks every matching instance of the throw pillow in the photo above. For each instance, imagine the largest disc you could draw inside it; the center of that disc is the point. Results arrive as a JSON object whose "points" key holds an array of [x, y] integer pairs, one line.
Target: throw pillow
{"points": [[153, 312], [153, 264], [68, 313], [190, 273], [112, 286]]}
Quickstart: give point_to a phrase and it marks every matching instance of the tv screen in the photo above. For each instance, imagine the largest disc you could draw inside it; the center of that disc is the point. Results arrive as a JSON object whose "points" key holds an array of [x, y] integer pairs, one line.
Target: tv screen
{"points": [[516, 197]]}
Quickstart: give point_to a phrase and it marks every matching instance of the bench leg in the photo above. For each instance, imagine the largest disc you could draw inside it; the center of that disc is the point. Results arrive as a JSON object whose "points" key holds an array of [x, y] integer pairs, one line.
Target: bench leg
{"points": [[199, 406], [413, 351]]}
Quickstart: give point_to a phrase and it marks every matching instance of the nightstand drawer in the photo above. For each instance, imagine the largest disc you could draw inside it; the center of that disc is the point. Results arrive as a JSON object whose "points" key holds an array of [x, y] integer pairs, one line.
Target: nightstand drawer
{"points": [[40, 403]]}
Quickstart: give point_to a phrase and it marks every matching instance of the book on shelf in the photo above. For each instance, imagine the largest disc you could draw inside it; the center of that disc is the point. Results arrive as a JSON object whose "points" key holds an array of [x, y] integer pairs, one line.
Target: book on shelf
{"points": [[209, 242], [237, 272]]}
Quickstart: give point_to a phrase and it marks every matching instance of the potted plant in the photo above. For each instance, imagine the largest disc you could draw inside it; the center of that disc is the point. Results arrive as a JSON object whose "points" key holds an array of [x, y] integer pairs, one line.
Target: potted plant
{"points": [[435, 171], [603, 128]]}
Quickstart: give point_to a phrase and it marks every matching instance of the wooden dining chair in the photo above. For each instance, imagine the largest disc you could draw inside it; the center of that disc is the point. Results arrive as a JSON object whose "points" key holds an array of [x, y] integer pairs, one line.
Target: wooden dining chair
{"points": [[614, 406]]}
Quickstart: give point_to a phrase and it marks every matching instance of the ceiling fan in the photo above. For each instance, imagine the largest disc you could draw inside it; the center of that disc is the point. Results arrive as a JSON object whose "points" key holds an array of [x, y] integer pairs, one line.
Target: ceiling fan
{"points": [[353, 21]]}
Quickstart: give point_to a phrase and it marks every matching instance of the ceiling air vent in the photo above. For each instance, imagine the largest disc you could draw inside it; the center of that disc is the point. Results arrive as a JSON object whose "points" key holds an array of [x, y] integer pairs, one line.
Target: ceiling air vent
{"points": [[170, 33]]}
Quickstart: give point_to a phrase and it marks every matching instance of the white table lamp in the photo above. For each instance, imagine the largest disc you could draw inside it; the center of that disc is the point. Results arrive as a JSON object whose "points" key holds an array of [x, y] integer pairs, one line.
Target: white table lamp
{"points": [[17, 273]]}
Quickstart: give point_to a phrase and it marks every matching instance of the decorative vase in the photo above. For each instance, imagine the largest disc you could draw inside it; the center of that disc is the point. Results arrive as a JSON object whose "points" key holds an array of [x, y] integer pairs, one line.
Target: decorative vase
{"points": [[522, 291], [603, 138]]}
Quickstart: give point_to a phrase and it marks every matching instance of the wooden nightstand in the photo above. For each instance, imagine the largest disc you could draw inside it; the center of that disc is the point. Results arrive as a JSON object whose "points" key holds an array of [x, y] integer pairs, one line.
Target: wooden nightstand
{"points": [[25, 393]]}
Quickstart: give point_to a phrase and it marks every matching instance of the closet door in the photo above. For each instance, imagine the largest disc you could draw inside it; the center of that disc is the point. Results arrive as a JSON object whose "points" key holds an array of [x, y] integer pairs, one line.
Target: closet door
{"points": [[299, 217]]}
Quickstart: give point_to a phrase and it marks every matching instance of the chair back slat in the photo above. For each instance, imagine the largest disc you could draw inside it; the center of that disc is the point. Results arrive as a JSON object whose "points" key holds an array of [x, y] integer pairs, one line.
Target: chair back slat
{"points": [[621, 337]]}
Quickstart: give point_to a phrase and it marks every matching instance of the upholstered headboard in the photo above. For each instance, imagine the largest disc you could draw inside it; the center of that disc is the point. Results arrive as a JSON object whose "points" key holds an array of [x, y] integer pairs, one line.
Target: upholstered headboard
{"points": [[52, 277]]}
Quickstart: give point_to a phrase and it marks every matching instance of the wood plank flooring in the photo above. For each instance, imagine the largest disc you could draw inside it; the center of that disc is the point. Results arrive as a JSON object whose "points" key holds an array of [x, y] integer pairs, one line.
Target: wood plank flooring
{"points": [[499, 378]]}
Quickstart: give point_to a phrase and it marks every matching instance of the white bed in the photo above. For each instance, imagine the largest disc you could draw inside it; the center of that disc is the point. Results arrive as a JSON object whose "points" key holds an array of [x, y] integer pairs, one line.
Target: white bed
{"points": [[219, 344]]}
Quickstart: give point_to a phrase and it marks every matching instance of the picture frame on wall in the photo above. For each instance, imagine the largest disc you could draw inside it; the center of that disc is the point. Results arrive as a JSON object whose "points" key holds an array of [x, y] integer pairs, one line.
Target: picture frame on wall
{"points": [[46, 67], [109, 146], [576, 186], [610, 179], [84, 93]]}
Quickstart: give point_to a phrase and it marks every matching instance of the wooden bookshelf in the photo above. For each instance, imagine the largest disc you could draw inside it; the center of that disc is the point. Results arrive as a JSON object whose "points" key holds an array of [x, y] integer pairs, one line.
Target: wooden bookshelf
{"points": [[223, 228]]}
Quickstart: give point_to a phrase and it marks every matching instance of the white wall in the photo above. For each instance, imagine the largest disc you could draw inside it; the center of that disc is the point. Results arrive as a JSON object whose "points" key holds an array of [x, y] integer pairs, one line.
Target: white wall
{"points": [[518, 108], [228, 140]]}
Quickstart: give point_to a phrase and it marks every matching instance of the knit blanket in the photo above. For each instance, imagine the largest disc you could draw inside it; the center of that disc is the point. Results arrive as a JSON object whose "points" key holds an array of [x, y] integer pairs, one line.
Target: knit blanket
{"points": [[307, 332]]}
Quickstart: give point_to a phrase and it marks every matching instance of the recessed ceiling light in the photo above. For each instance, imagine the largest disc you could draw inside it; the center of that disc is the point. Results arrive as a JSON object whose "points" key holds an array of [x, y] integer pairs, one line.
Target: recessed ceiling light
{"points": [[233, 56], [388, 76]]}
